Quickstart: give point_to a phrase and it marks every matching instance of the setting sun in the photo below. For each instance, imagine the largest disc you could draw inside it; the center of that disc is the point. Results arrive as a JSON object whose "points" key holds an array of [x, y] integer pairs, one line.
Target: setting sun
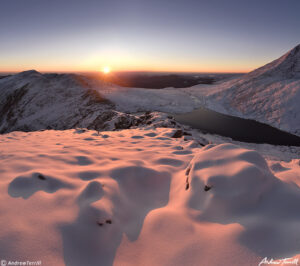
{"points": [[143, 122], [106, 70]]}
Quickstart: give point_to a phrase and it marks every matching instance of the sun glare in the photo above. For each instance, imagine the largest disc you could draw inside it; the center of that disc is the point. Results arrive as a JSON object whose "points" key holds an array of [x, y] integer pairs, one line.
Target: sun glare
{"points": [[106, 70]]}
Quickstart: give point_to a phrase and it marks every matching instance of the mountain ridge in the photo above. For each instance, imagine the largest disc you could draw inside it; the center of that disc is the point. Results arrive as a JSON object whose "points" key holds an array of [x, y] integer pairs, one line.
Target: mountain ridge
{"points": [[288, 64], [269, 94], [33, 101]]}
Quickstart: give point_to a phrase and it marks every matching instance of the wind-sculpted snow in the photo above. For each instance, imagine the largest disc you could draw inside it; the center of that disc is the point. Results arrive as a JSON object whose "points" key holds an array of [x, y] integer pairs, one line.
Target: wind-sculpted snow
{"points": [[143, 197], [233, 185]]}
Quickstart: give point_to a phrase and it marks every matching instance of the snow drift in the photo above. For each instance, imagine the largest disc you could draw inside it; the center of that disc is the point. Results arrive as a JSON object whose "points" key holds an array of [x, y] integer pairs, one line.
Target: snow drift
{"points": [[77, 197]]}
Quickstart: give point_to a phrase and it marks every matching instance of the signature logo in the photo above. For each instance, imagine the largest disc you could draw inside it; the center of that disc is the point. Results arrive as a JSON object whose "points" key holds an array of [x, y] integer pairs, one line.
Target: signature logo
{"points": [[289, 261]]}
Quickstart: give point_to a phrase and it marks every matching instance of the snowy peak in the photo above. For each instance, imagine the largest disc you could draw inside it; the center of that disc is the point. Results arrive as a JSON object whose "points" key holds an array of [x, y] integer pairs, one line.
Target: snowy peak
{"points": [[269, 94], [287, 66], [32, 101], [29, 72]]}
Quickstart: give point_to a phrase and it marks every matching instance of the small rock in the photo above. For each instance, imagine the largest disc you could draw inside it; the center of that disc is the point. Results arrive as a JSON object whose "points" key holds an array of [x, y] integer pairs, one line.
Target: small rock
{"points": [[187, 172], [40, 176], [178, 134], [108, 221], [207, 188]]}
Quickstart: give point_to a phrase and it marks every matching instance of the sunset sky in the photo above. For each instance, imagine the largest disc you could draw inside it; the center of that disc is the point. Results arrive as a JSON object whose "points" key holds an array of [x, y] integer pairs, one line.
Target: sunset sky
{"points": [[173, 35]]}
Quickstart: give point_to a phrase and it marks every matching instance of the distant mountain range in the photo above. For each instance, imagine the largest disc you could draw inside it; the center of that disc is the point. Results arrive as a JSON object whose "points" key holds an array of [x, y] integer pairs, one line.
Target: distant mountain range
{"points": [[32, 101]]}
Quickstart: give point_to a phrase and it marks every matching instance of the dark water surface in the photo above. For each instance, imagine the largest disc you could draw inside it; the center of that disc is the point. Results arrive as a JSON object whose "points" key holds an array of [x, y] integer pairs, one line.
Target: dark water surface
{"points": [[240, 129]]}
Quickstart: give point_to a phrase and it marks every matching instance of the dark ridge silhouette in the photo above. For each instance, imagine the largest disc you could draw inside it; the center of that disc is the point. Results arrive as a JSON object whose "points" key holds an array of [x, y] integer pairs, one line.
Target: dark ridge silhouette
{"points": [[157, 81]]}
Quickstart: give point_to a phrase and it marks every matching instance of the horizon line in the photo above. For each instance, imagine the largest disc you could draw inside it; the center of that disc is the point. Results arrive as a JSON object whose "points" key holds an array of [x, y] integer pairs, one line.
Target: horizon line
{"points": [[118, 71]]}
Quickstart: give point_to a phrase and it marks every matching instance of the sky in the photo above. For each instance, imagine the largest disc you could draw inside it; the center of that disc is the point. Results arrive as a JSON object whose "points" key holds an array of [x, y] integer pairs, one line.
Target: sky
{"points": [[146, 35]]}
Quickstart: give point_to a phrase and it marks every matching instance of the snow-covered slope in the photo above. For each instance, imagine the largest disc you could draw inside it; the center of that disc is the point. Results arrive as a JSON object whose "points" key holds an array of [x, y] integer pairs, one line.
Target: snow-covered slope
{"points": [[32, 101], [270, 94], [140, 197]]}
